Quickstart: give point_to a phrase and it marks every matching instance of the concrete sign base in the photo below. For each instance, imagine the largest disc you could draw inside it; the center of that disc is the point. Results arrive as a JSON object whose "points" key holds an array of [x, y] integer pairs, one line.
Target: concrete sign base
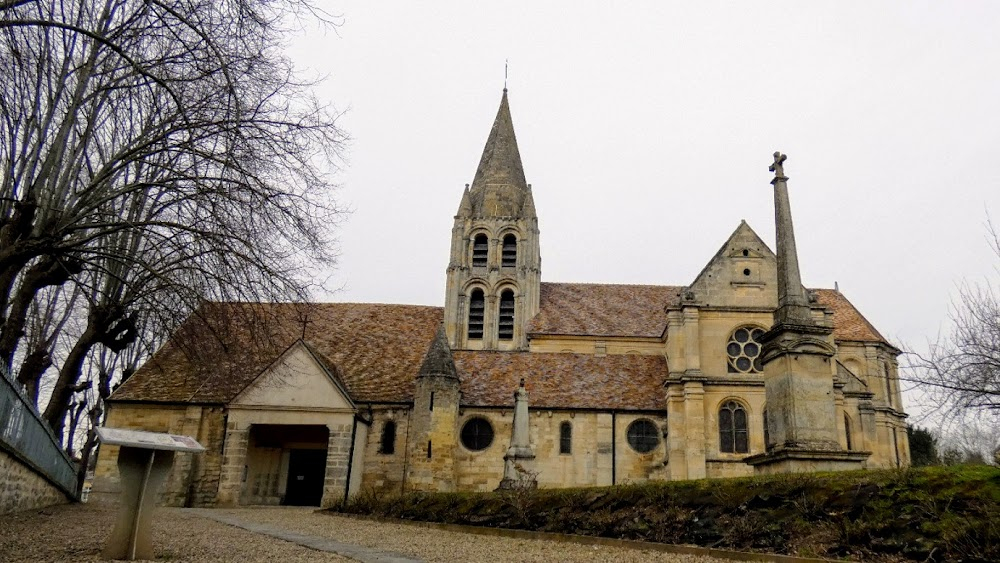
{"points": [[142, 473], [144, 461]]}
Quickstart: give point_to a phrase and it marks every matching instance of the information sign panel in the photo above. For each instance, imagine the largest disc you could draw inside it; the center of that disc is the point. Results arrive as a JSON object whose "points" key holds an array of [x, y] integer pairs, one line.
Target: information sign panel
{"points": [[148, 440]]}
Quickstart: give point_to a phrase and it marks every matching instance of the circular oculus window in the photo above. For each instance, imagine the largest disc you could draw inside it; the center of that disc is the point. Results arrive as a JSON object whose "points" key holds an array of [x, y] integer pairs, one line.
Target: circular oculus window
{"points": [[643, 435], [477, 434]]}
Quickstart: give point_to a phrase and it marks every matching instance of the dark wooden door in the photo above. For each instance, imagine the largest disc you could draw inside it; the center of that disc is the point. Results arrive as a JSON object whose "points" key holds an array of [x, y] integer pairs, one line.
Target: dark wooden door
{"points": [[306, 470]]}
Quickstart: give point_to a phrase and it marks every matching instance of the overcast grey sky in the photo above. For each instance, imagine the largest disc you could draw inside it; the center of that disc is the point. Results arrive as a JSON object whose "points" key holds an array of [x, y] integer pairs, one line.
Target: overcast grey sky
{"points": [[646, 130]]}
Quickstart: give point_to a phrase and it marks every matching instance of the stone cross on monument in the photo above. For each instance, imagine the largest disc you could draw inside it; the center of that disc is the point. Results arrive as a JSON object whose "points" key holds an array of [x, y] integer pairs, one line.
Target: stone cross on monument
{"points": [[776, 167], [797, 354]]}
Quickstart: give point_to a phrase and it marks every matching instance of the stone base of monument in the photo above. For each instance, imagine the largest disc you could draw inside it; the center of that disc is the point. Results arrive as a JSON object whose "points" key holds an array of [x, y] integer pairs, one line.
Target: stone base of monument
{"points": [[144, 460], [517, 473], [805, 460]]}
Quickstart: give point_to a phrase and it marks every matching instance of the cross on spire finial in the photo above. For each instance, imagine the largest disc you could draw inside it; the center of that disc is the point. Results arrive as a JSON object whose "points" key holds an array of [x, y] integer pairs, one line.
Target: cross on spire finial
{"points": [[778, 165]]}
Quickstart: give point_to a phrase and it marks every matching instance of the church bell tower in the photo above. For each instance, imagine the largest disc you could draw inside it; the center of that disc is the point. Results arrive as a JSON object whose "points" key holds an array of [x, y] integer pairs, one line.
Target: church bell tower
{"points": [[495, 268]]}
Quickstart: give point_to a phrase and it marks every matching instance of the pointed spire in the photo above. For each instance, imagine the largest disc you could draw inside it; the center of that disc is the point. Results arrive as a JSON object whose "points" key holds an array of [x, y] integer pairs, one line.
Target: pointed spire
{"points": [[528, 209], [465, 208], [438, 361], [501, 161], [793, 302]]}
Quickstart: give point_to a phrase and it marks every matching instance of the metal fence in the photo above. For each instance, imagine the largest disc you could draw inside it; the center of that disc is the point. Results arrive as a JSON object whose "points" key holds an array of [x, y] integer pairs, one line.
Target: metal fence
{"points": [[28, 436]]}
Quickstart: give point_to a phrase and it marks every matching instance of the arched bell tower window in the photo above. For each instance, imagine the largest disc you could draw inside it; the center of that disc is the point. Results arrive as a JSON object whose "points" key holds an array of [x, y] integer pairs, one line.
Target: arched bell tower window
{"points": [[480, 250], [509, 253], [506, 318], [477, 310], [733, 428]]}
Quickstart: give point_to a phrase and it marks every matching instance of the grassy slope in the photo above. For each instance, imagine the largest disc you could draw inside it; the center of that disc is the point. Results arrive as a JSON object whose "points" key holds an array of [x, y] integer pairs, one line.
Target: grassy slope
{"points": [[938, 513]]}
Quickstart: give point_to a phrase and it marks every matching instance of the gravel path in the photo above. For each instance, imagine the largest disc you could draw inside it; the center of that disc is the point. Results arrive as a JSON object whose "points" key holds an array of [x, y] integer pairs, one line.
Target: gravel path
{"points": [[444, 546], [77, 533]]}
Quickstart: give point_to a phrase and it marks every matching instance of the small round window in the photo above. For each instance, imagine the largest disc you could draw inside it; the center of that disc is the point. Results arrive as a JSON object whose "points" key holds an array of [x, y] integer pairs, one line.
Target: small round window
{"points": [[744, 350], [643, 436], [477, 434]]}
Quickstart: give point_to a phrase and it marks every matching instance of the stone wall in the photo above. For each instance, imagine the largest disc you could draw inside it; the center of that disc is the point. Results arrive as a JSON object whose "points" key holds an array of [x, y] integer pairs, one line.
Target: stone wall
{"points": [[21, 488], [382, 470], [194, 478]]}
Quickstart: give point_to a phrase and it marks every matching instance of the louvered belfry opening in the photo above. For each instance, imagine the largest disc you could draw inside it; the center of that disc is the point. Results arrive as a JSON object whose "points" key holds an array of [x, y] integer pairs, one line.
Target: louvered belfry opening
{"points": [[509, 253], [477, 310], [480, 250], [506, 324]]}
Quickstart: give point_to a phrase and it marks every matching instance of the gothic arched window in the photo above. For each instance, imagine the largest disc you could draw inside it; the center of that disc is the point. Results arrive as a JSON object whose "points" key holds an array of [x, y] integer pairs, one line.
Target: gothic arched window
{"points": [[565, 438], [508, 256], [733, 428], [480, 250], [743, 350], [477, 310], [388, 444], [506, 319]]}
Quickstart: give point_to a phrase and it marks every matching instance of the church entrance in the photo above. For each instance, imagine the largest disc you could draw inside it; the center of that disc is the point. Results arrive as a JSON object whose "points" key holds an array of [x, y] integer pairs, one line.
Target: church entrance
{"points": [[285, 464], [306, 469]]}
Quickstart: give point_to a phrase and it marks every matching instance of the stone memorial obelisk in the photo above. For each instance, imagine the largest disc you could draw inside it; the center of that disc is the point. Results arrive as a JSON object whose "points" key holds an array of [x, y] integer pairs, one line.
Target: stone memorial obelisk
{"points": [[797, 356], [518, 462]]}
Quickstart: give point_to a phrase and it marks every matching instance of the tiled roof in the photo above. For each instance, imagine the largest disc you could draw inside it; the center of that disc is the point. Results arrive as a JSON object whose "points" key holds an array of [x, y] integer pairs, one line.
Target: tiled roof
{"points": [[563, 380], [603, 309], [376, 350], [848, 322]]}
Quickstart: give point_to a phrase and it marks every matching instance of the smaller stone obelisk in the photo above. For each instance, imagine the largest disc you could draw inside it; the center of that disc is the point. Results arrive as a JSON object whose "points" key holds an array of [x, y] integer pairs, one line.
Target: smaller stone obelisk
{"points": [[519, 461], [797, 353]]}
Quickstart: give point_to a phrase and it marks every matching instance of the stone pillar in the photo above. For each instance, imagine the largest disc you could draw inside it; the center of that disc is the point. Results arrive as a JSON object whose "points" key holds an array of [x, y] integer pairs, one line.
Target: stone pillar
{"points": [[676, 434], [675, 337], [234, 459], [338, 453], [692, 342], [694, 429]]}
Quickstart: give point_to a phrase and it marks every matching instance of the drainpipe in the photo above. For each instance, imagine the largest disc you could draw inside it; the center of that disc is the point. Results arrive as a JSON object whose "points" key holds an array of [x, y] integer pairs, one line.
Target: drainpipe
{"points": [[350, 457], [614, 448]]}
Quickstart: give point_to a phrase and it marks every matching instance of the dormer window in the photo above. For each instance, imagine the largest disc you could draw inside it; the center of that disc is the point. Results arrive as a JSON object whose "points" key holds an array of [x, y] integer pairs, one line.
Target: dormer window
{"points": [[506, 324], [509, 253], [480, 250], [477, 310]]}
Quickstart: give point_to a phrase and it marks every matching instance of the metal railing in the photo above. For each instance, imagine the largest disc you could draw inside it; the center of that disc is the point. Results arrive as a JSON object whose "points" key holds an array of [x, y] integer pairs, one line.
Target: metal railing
{"points": [[28, 437]]}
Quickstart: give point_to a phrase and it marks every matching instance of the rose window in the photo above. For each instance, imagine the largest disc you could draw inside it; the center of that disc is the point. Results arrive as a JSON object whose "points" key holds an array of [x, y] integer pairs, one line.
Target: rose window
{"points": [[744, 350]]}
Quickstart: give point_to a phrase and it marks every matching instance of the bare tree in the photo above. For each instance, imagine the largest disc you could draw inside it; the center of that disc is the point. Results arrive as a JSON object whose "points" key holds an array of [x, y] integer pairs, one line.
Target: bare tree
{"points": [[153, 154], [960, 373]]}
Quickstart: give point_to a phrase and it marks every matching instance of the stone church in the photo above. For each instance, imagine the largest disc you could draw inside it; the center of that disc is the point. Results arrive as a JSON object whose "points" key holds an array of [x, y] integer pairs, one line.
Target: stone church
{"points": [[741, 370]]}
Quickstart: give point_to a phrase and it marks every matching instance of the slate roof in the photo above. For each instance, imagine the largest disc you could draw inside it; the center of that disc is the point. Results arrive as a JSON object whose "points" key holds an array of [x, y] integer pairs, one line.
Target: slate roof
{"points": [[563, 380], [589, 309], [377, 350]]}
